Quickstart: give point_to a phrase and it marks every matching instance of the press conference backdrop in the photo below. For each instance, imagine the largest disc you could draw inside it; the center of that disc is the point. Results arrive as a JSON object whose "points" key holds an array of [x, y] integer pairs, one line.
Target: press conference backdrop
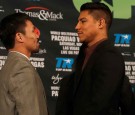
{"points": [[60, 45]]}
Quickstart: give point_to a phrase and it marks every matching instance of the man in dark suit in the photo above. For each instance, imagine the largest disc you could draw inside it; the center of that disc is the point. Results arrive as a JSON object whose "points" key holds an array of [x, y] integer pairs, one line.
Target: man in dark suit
{"points": [[21, 89], [96, 86]]}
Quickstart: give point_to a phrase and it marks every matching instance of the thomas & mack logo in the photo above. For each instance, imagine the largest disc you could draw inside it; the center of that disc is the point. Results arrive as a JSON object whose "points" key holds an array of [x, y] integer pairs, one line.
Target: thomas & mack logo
{"points": [[41, 13]]}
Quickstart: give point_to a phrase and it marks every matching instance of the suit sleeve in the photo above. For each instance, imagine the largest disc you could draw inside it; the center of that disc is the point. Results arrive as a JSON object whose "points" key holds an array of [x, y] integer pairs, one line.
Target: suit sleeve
{"points": [[64, 101], [23, 89], [107, 78]]}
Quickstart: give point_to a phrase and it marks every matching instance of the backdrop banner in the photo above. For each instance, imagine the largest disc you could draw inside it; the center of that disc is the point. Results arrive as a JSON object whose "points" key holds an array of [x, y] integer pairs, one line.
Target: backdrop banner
{"points": [[59, 43]]}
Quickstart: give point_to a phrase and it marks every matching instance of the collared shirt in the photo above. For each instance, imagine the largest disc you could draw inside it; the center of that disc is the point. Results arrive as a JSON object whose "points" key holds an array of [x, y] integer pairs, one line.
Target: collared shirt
{"points": [[20, 54], [88, 52]]}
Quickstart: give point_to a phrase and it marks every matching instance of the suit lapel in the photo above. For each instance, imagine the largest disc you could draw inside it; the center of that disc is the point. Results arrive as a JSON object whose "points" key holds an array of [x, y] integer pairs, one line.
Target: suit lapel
{"points": [[78, 68], [79, 73]]}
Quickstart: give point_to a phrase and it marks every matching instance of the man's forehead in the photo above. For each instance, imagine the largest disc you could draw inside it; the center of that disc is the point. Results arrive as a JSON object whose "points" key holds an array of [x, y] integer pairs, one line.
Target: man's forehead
{"points": [[29, 23], [83, 15]]}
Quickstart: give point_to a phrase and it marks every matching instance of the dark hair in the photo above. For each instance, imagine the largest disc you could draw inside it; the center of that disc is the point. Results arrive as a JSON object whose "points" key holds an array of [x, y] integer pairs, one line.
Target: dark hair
{"points": [[98, 10], [10, 25]]}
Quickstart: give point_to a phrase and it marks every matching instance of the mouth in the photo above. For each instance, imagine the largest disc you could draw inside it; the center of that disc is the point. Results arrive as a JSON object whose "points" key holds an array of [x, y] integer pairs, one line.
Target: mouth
{"points": [[39, 41], [79, 33]]}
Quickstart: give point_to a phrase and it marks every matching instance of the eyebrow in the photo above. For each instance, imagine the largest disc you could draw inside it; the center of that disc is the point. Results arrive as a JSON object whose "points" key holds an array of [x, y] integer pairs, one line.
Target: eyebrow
{"points": [[34, 27], [82, 19]]}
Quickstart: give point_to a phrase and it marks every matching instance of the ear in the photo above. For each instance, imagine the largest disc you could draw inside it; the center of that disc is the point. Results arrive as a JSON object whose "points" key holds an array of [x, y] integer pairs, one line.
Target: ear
{"points": [[101, 23], [19, 37]]}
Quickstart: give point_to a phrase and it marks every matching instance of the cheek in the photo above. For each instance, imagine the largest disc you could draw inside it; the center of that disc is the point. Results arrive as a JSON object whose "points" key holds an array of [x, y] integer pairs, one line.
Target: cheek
{"points": [[32, 41], [91, 28], [33, 38], [87, 27]]}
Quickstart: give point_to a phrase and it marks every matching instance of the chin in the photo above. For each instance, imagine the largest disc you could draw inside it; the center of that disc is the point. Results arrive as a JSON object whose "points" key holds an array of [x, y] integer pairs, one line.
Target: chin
{"points": [[35, 51], [81, 41]]}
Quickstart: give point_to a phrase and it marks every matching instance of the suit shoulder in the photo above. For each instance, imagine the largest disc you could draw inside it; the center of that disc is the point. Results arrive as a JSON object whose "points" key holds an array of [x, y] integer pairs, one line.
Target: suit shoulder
{"points": [[107, 46]]}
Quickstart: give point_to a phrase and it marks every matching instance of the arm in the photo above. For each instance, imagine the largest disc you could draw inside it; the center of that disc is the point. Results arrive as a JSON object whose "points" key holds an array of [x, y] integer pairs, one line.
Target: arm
{"points": [[107, 78], [64, 101], [23, 89]]}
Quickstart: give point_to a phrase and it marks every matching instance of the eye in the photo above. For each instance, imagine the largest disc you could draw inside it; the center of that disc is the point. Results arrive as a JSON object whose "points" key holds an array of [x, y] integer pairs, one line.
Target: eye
{"points": [[83, 21], [33, 30]]}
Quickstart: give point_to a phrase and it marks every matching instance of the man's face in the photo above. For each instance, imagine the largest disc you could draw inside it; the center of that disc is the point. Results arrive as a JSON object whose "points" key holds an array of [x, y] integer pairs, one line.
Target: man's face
{"points": [[87, 27], [31, 38]]}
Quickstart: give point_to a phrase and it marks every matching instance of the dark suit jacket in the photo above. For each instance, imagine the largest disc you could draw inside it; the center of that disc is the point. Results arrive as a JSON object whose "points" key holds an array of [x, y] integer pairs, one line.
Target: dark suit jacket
{"points": [[97, 89], [21, 89]]}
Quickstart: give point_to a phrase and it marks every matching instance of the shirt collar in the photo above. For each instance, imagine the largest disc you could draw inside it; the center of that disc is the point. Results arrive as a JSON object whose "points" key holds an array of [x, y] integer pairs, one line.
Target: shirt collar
{"points": [[20, 54]]}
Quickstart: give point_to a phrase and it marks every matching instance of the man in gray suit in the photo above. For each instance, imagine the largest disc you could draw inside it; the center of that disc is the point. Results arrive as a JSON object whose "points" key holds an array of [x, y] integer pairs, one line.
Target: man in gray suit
{"points": [[21, 89]]}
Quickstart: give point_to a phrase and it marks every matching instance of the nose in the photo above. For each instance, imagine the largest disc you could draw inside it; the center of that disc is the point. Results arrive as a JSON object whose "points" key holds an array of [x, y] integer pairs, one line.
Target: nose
{"points": [[37, 32], [77, 26]]}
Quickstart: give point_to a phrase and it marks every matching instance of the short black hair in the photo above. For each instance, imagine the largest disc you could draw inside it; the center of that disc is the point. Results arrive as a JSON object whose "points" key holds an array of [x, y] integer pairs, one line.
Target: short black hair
{"points": [[98, 10], [10, 25]]}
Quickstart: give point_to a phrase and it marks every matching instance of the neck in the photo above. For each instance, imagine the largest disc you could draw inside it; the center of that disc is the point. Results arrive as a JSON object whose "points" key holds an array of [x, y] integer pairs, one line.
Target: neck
{"points": [[100, 37], [92, 43], [21, 51]]}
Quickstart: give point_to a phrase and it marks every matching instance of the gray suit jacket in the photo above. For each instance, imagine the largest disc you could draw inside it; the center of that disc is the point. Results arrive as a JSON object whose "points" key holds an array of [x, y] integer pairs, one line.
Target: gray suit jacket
{"points": [[21, 89]]}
